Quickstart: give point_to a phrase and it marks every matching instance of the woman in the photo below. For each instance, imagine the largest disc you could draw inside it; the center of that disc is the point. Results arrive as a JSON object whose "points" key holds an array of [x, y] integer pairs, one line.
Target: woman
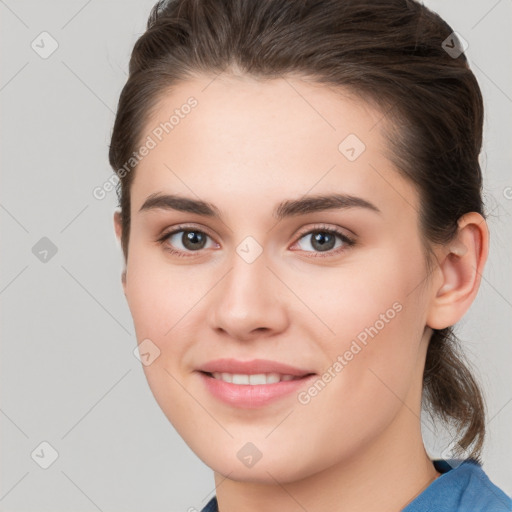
{"points": [[302, 225]]}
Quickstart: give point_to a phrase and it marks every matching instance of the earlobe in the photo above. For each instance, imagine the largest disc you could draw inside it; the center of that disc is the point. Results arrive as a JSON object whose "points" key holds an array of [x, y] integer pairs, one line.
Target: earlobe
{"points": [[118, 225], [461, 265]]}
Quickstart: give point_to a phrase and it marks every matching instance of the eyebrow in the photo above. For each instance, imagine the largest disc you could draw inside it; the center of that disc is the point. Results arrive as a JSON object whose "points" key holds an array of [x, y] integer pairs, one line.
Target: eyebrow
{"points": [[287, 208]]}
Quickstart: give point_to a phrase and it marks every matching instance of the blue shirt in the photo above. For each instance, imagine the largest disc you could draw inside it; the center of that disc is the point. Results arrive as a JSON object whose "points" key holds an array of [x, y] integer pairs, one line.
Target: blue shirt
{"points": [[464, 488]]}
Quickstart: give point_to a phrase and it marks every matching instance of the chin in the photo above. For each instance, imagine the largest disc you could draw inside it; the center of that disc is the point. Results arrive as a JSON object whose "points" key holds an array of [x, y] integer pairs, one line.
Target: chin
{"points": [[283, 467]]}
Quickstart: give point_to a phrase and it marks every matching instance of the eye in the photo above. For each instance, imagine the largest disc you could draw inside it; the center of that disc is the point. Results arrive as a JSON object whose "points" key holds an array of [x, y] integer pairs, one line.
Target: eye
{"points": [[184, 240], [180, 240], [323, 239]]}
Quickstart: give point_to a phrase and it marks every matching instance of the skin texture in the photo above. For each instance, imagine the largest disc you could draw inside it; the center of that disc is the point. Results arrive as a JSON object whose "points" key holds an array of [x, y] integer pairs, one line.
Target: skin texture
{"points": [[245, 147]]}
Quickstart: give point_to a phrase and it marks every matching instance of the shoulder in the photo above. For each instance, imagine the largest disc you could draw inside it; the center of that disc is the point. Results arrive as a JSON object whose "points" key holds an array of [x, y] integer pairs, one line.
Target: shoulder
{"points": [[211, 506], [462, 487]]}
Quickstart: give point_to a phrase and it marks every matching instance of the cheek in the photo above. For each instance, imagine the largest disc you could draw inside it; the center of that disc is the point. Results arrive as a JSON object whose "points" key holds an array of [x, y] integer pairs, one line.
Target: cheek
{"points": [[362, 391], [376, 315], [366, 294], [161, 302], [161, 296]]}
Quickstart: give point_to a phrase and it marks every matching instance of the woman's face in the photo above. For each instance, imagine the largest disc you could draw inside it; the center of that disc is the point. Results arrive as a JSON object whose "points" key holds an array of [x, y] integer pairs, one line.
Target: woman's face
{"points": [[330, 326]]}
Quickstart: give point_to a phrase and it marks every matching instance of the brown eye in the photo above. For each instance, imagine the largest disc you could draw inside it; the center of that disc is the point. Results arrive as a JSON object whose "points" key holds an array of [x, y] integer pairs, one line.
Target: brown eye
{"points": [[184, 242], [191, 240]]}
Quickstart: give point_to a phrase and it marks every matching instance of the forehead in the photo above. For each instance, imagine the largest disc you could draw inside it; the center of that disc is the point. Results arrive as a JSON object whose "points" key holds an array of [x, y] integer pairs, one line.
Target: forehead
{"points": [[253, 137], [279, 113]]}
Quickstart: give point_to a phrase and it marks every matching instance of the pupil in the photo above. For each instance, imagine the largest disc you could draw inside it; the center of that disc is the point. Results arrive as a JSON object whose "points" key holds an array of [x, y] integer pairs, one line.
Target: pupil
{"points": [[192, 237]]}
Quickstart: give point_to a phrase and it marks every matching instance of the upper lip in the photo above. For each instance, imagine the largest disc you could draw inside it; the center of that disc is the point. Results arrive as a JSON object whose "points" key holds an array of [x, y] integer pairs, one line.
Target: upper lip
{"points": [[255, 366]]}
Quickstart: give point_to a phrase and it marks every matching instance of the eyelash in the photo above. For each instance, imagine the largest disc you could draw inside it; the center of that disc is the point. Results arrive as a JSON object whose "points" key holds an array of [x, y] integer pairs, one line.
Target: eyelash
{"points": [[348, 242]]}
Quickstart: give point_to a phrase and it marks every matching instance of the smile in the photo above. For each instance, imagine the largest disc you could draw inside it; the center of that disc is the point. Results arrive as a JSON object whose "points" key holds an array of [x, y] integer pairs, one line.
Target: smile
{"points": [[252, 384], [256, 379]]}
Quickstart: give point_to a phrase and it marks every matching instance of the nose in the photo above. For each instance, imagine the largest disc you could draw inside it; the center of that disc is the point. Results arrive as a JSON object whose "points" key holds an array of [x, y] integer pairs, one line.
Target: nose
{"points": [[249, 301]]}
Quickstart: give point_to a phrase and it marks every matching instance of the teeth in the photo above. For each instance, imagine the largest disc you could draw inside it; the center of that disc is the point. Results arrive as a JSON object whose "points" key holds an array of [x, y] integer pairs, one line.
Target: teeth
{"points": [[258, 379], [254, 380], [227, 377], [270, 378], [240, 379]]}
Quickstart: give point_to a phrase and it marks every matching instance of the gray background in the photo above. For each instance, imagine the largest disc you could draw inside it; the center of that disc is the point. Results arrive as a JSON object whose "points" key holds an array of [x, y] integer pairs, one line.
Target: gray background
{"points": [[68, 374]]}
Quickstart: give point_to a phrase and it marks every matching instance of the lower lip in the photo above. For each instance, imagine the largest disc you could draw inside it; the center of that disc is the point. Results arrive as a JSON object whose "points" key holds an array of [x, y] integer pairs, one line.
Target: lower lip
{"points": [[249, 396]]}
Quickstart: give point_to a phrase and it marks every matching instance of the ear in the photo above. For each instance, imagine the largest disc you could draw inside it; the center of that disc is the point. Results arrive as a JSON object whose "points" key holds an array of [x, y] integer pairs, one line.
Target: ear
{"points": [[118, 227], [461, 264]]}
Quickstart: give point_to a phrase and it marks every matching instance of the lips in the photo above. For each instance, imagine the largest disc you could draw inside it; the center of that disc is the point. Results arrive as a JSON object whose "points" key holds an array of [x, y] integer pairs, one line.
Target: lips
{"points": [[251, 384], [256, 366]]}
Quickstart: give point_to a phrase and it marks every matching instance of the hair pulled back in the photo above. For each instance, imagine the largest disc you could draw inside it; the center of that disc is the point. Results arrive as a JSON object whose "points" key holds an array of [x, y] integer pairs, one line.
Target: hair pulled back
{"points": [[388, 52]]}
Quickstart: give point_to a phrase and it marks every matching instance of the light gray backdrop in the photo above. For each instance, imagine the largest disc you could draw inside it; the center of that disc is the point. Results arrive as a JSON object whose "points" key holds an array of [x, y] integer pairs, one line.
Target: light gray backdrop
{"points": [[68, 374]]}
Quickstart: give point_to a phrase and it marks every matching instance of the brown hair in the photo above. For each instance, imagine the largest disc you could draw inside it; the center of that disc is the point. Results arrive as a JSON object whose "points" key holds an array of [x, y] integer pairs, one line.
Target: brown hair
{"points": [[392, 54]]}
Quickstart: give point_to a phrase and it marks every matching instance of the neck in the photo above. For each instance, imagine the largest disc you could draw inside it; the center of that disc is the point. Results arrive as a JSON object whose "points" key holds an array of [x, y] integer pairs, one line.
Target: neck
{"points": [[385, 475]]}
